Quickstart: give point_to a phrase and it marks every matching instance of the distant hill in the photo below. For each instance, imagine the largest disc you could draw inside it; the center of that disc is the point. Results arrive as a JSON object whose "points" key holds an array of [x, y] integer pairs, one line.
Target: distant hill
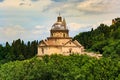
{"points": [[105, 39]]}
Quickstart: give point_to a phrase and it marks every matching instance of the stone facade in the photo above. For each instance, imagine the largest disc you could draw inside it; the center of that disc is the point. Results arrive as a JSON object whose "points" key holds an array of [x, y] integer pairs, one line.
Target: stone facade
{"points": [[59, 41]]}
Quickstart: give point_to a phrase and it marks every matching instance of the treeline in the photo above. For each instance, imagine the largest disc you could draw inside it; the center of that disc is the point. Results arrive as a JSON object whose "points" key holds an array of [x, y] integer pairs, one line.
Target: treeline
{"points": [[58, 67], [104, 39], [18, 50]]}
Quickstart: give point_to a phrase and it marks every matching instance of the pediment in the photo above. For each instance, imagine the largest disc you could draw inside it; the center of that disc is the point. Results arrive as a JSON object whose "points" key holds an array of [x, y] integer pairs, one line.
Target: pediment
{"points": [[70, 43], [42, 43]]}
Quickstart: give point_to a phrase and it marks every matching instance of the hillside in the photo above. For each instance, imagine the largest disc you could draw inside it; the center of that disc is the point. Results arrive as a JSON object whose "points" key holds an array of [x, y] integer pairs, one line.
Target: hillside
{"points": [[58, 67], [104, 39]]}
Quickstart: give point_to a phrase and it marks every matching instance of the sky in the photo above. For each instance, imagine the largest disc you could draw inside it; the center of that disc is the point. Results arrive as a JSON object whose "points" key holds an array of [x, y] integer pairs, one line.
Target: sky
{"points": [[32, 19]]}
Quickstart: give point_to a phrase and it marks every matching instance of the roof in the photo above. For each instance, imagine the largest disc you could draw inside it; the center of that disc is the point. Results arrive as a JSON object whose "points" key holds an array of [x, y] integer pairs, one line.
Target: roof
{"points": [[60, 24], [59, 43]]}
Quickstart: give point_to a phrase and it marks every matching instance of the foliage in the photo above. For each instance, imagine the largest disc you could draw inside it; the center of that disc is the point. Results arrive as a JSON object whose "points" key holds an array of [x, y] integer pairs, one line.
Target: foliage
{"points": [[18, 50], [104, 39], [58, 67]]}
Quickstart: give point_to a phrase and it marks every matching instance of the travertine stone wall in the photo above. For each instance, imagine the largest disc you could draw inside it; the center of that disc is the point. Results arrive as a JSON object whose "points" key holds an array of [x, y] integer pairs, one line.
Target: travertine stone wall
{"points": [[59, 50], [59, 34], [49, 50]]}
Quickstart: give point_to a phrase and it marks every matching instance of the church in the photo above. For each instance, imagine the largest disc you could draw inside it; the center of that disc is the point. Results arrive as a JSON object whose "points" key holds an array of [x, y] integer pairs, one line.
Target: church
{"points": [[59, 41]]}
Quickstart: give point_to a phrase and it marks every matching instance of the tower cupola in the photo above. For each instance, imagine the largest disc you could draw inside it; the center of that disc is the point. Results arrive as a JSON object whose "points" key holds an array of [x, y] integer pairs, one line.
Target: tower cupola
{"points": [[59, 18]]}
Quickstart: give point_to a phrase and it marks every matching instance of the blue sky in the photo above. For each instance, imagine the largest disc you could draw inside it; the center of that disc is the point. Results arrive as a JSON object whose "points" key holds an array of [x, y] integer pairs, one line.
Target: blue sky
{"points": [[32, 19]]}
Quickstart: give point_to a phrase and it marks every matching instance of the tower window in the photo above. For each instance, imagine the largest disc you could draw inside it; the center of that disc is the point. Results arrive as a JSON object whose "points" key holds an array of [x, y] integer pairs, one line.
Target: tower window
{"points": [[63, 35]]}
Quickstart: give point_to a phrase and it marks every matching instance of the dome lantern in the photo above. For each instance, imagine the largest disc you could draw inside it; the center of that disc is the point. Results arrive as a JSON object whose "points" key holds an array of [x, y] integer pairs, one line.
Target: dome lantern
{"points": [[59, 18]]}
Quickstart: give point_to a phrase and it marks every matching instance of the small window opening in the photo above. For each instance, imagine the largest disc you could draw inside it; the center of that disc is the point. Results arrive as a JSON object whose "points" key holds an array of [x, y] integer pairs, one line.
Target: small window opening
{"points": [[42, 51]]}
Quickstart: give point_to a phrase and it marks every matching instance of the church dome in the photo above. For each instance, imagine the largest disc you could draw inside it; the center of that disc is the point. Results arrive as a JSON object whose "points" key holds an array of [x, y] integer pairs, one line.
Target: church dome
{"points": [[58, 26]]}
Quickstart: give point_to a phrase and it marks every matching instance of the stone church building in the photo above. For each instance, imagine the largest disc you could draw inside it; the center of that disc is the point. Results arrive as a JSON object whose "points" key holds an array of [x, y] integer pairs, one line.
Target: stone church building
{"points": [[59, 41]]}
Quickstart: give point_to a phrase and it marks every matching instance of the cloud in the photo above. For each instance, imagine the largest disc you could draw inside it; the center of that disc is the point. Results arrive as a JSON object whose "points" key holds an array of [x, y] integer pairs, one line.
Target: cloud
{"points": [[39, 27], [67, 0], [59, 0], [106, 22], [39, 30], [98, 6], [10, 3], [93, 6], [73, 8], [78, 8], [76, 26], [31, 19], [13, 32], [35, 0], [10, 33], [22, 4], [26, 4]]}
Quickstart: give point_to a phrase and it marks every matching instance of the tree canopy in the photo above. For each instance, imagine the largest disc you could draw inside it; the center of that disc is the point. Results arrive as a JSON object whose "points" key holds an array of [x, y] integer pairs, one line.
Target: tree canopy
{"points": [[58, 67], [104, 39], [18, 50]]}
